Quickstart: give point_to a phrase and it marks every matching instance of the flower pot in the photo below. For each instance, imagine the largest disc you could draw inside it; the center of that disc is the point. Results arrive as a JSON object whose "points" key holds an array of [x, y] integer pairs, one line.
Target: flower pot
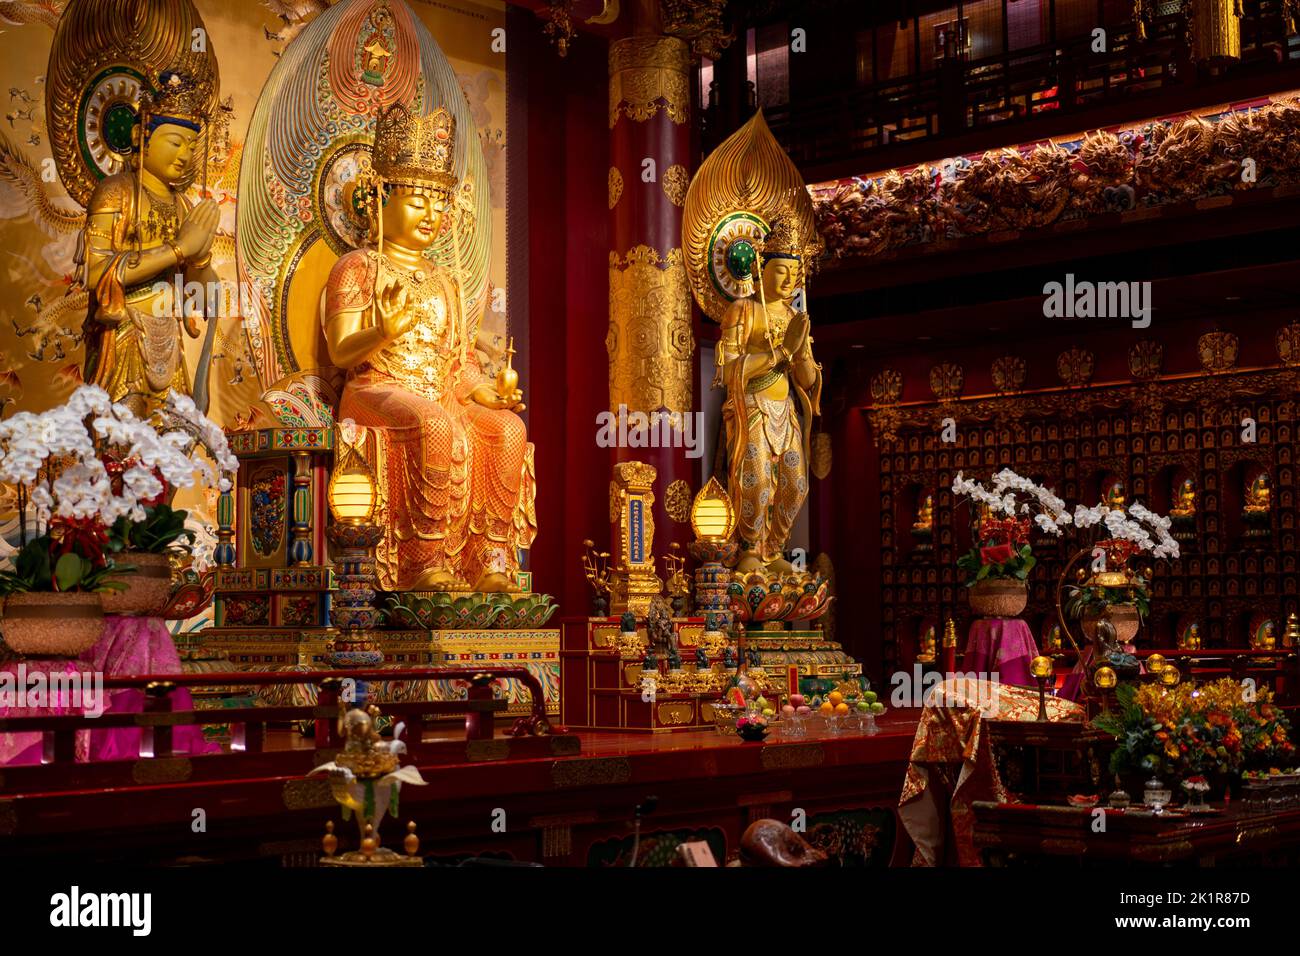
{"points": [[1123, 617], [149, 587], [52, 623], [999, 597]]}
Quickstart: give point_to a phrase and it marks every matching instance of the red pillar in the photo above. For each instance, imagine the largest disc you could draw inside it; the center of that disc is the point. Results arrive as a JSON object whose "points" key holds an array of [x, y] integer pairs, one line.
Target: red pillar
{"points": [[650, 341]]}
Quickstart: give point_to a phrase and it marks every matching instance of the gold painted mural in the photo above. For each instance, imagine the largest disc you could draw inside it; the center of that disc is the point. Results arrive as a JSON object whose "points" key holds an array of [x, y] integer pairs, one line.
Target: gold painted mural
{"points": [[41, 348]]}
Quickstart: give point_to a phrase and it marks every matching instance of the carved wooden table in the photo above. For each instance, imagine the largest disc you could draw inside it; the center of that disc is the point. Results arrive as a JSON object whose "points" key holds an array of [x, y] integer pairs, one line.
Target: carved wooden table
{"points": [[1011, 834]]}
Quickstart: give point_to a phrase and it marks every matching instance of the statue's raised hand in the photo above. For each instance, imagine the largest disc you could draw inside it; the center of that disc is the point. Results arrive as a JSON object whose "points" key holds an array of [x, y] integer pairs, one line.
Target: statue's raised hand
{"points": [[796, 333], [390, 304], [198, 230]]}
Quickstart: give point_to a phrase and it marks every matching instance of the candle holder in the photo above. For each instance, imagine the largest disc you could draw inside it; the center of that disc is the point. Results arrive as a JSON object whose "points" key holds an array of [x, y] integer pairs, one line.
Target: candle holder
{"points": [[1042, 669]]}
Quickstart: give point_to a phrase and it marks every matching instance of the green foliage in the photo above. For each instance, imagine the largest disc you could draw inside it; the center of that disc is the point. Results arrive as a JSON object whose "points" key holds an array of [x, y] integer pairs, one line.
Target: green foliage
{"points": [[1083, 599], [36, 569], [162, 527], [1017, 567]]}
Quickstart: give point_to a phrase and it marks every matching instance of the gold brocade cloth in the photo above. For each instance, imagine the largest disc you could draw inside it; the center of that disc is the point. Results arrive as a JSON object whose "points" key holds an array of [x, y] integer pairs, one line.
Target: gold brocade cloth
{"points": [[951, 765]]}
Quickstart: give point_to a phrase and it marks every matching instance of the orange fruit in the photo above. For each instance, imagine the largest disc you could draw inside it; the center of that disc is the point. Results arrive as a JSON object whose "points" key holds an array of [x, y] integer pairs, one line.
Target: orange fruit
{"points": [[827, 708], [835, 697], [841, 708]]}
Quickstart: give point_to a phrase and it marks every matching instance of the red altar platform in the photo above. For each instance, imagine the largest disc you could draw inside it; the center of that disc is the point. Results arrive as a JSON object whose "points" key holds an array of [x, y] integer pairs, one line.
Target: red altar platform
{"points": [[560, 800]]}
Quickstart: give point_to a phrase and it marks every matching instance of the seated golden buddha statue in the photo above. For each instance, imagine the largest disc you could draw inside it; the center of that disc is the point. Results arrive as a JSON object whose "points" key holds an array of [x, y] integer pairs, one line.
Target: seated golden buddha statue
{"points": [[456, 478], [765, 362], [1185, 501], [1258, 495], [927, 652], [141, 231], [924, 523], [1115, 496]]}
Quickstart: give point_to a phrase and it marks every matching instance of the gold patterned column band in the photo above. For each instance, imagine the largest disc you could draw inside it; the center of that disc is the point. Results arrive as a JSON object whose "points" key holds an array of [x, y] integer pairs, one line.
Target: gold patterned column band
{"points": [[647, 74], [650, 342]]}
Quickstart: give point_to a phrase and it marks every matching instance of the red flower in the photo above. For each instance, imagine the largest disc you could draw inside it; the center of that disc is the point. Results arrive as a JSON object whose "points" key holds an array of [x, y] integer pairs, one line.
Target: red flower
{"points": [[82, 536], [996, 554]]}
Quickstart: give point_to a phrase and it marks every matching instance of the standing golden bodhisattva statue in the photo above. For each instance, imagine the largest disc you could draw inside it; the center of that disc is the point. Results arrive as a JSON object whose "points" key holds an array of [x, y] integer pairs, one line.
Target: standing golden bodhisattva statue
{"points": [[456, 478], [141, 231], [765, 362]]}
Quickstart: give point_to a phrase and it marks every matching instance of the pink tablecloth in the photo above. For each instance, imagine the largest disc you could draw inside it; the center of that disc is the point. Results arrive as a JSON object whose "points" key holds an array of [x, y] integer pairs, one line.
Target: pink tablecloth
{"points": [[129, 646], [1001, 645]]}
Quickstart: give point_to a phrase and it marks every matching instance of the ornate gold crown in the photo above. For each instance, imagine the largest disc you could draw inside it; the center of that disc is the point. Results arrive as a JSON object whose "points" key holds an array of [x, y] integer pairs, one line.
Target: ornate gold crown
{"points": [[183, 97], [783, 240], [789, 235], [415, 150]]}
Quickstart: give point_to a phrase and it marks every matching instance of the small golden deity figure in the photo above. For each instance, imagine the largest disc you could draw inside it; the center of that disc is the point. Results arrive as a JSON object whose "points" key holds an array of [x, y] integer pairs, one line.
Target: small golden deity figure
{"points": [[765, 363], [1189, 636], [458, 482], [1115, 496], [1257, 495], [923, 527], [1185, 500], [1257, 511], [924, 524], [926, 654], [141, 232]]}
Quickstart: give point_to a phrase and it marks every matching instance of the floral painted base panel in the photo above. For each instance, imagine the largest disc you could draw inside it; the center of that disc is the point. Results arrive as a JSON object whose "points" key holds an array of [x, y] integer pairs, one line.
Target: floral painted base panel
{"points": [[129, 646]]}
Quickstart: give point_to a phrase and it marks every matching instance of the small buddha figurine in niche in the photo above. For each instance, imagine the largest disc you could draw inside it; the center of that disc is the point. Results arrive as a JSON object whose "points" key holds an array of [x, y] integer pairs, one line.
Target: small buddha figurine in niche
{"points": [[1189, 636], [923, 527], [1115, 496], [1183, 510], [1184, 500], [926, 654], [1257, 510]]}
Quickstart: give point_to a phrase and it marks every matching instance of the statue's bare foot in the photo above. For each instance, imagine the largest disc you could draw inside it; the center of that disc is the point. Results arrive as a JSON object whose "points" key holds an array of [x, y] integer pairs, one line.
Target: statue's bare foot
{"points": [[779, 565], [497, 582], [440, 579], [749, 561]]}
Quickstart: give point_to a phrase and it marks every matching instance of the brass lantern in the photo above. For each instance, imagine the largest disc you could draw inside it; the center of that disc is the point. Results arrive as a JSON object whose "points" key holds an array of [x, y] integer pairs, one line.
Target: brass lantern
{"points": [[713, 517], [351, 493]]}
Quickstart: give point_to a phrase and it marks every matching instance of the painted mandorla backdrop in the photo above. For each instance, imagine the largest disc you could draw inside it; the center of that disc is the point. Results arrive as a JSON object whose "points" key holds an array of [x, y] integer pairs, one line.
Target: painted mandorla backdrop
{"points": [[41, 343]]}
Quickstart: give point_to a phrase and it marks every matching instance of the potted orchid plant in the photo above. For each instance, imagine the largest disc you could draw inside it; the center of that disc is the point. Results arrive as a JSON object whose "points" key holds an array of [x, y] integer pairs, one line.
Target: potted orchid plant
{"points": [[149, 539], [1114, 591], [999, 562], [92, 476]]}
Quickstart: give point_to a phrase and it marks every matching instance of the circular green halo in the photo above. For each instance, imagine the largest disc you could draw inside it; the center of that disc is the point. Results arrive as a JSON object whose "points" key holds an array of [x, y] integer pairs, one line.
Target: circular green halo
{"points": [[733, 253]]}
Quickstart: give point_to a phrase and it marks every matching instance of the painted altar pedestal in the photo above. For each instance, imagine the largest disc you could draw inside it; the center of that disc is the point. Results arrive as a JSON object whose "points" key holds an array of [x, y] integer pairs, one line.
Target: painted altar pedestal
{"points": [[1002, 646], [129, 646]]}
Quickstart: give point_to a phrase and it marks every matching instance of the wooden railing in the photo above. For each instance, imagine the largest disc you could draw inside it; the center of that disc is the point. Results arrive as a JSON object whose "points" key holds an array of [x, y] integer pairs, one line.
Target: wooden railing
{"points": [[248, 726], [1014, 86]]}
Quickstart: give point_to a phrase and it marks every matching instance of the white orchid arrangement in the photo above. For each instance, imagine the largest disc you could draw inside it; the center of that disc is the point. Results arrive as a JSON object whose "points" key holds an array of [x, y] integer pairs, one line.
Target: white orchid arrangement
{"points": [[1002, 548], [1143, 528], [1001, 499], [89, 465]]}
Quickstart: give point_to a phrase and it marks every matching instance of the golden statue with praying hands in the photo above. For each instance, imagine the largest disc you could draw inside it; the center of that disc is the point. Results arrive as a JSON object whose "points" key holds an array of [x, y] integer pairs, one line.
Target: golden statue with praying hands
{"points": [[141, 231], [765, 362], [750, 241], [454, 464]]}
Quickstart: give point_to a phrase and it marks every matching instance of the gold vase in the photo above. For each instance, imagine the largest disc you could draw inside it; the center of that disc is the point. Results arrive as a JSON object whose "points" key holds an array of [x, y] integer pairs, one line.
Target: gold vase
{"points": [[148, 589], [1123, 617], [999, 597], [52, 623]]}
